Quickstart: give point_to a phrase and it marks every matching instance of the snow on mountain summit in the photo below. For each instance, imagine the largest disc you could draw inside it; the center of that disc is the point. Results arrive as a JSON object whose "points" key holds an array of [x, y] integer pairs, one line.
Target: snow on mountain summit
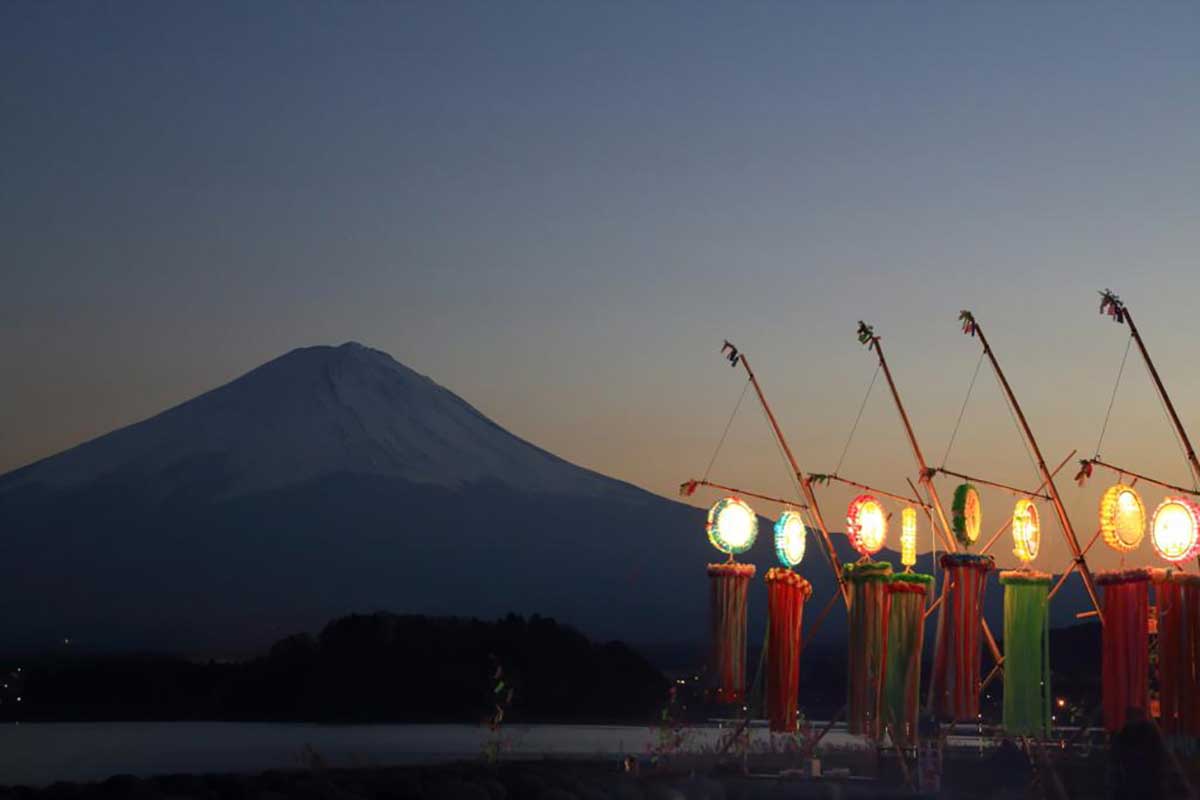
{"points": [[318, 411]]}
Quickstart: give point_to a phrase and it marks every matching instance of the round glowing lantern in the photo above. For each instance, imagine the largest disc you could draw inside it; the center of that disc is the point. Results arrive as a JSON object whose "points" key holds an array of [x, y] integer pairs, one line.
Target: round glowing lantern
{"points": [[790, 536], [908, 536], [1175, 531], [866, 524], [1026, 530], [1122, 518], [732, 526], [968, 514]]}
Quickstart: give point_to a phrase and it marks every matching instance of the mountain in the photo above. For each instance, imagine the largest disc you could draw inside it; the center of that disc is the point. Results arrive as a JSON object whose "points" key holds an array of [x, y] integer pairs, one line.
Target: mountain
{"points": [[334, 480]]}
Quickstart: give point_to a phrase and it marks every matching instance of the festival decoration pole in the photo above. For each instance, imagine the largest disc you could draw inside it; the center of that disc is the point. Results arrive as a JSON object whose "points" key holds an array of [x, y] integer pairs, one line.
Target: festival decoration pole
{"points": [[907, 595], [1178, 601], [868, 582], [1026, 652], [1125, 644], [954, 688], [735, 357], [971, 326], [867, 336]]}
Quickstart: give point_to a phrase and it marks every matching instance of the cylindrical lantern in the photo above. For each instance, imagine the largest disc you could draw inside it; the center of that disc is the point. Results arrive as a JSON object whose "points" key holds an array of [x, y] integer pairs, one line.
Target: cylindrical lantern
{"points": [[908, 536], [1125, 644], [1178, 602], [954, 689], [1175, 529], [786, 595], [790, 538], [1026, 652], [968, 514], [1122, 518], [732, 526], [729, 582], [905, 635], [1026, 531], [868, 582], [866, 525]]}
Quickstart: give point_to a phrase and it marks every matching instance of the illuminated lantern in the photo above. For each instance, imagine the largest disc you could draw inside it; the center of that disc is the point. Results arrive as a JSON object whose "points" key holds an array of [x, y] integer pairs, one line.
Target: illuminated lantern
{"points": [[866, 525], [868, 581], [1178, 604], [954, 688], [968, 514], [908, 537], [1122, 518], [1125, 644], [905, 635], [786, 595], [1175, 530], [790, 536], [729, 582], [732, 526], [1026, 530], [1026, 652]]}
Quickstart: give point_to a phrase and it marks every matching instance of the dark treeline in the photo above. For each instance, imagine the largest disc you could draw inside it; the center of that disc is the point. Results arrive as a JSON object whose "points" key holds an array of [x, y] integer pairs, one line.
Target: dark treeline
{"points": [[362, 668]]}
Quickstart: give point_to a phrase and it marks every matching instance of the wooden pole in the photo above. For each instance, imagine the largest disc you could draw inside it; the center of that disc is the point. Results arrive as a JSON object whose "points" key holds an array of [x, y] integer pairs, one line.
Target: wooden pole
{"points": [[805, 485], [1163, 484], [1059, 508], [898, 497], [692, 484]]}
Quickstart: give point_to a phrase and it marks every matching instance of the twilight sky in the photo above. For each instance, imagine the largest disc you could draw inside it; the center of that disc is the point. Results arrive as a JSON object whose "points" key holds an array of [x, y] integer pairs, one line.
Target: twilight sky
{"points": [[559, 210]]}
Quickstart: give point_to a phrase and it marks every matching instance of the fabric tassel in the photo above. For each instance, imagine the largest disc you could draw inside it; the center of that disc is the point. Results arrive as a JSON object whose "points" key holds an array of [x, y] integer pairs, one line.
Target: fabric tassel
{"points": [[1178, 601], [1026, 652], [954, 689], [868, 645], [729, 583], [908, 593], [786, 595], [1125, 644]]}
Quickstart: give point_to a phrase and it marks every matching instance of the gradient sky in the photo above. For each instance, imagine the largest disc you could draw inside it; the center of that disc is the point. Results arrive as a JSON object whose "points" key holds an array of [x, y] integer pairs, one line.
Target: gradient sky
{"points": [[559, 210]]}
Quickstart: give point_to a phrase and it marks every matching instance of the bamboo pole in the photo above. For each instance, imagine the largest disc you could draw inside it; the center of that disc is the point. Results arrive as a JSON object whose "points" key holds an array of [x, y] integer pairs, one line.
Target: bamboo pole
{"points": [[1147, 479], [996, 484], [692, 484], [805, 485], [867, 336], [899, 497], [1059, 508]]}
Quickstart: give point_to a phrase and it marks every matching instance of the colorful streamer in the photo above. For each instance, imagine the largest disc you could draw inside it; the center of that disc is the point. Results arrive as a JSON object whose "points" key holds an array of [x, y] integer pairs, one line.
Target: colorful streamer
{"points": [[1178, 601], [905, 635], [786, 595], [1026, 652], [954, 690], [1125, 656], [729, 582], [869, 597]]}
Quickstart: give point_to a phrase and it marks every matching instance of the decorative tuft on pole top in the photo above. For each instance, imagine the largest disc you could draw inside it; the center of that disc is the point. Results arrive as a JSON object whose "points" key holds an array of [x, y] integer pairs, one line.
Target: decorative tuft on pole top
{"points": [[866, 335], [1111, 304], [968, 322], [730, 352], [1085, 471], [688, 488]]}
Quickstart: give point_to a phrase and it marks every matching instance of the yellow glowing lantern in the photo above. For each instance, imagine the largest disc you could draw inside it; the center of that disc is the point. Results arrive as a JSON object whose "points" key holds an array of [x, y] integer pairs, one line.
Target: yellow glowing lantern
{"points": [[866, 524], [1122, 518], [908, 536], [732, 526], [790, 536], [1026, 530], [1175, 531]]}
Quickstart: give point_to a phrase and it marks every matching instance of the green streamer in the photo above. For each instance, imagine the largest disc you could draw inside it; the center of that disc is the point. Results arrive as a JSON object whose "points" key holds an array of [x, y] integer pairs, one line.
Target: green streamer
{"points": [[902, 676], [1026, 654]]}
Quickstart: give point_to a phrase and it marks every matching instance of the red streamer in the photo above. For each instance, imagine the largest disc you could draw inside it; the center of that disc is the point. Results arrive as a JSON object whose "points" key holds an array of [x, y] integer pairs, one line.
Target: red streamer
{"points": [[954, 689], [729, 582], [1125, 665], [1178, 600], [786, 595]]}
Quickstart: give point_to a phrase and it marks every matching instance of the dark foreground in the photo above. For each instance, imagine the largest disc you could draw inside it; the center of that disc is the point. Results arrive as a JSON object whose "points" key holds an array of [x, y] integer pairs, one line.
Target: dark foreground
{"points": [[966, 777]]}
